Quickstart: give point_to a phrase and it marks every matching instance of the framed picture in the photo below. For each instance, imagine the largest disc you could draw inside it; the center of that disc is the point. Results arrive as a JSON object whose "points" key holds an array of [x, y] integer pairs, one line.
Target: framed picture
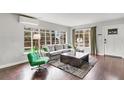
{"points": [[112, 31]]}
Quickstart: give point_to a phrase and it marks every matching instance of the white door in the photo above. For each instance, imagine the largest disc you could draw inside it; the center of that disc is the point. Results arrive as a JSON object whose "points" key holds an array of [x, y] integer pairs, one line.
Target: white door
{"points": [[113, 43]]}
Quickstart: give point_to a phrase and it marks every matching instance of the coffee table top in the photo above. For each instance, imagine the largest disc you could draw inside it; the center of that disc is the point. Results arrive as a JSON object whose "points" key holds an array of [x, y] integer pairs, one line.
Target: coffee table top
{"points": [[75, 54]]}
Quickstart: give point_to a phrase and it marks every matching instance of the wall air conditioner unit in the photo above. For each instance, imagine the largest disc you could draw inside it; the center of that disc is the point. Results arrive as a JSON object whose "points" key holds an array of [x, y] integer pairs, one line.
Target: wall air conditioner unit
{"points": [[28, 21]]}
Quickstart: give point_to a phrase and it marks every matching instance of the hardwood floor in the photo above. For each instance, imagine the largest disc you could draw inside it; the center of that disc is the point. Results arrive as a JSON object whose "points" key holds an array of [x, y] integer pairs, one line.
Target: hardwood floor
{"points": [[106, 68], [23, 72]]}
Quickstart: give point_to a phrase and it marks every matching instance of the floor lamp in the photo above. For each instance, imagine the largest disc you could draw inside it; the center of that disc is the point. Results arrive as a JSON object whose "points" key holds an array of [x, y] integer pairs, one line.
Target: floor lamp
{"points": [[37, 37]]}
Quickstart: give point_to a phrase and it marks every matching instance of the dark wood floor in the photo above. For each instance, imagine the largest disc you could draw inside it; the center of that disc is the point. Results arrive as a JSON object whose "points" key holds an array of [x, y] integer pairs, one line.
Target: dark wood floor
{"points": [[106, 68]]}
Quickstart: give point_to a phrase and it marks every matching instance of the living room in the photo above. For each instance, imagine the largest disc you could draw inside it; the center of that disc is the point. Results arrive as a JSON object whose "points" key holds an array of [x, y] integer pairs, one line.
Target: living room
{"points": [[76, 50], [61, 46]]}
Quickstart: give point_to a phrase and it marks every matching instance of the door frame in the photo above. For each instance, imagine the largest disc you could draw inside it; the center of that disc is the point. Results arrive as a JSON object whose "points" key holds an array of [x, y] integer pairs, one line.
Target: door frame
{"points": [[104, 36]]}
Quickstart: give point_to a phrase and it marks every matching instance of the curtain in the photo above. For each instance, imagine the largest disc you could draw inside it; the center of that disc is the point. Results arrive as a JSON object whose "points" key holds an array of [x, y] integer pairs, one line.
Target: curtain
{"points": [[93, 41], [73, 37]]}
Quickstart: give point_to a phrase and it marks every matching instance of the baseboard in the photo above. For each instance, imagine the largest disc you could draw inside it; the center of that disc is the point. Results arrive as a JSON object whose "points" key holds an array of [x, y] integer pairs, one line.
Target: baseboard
{"points": [[101, 54], [12, 64], [110, 55], [114, 56]]}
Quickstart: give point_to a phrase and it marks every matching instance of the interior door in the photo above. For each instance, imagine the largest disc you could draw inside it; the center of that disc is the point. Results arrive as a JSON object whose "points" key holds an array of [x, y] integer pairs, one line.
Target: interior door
{"points": [[113, 41]]}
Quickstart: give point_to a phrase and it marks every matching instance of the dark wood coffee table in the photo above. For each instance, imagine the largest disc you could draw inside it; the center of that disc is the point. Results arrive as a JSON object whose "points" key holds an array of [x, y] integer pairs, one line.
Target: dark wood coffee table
{"points": [[76, 59]]}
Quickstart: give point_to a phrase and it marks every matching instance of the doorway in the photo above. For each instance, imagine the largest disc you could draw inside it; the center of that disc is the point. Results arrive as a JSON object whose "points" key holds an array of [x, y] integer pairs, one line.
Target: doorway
{"points": [[114, 40]]}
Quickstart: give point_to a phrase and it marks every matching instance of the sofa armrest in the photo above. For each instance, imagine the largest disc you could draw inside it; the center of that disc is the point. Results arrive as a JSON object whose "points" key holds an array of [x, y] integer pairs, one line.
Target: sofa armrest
{"points": [[44, 53]]}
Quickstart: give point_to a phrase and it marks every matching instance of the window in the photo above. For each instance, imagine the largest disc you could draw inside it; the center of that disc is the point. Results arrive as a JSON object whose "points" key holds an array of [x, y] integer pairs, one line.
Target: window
{"points": [[42, 40], [57, 37], [82, 38], [47, 37], [35, 41], [87, 38], [52, 37], [62, 37], [29, 42], [65, 37]]}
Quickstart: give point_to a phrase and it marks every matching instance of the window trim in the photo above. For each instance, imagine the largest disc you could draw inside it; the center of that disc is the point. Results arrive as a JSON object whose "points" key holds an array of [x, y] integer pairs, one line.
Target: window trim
{"points": [[31, 30], [84, 30]]}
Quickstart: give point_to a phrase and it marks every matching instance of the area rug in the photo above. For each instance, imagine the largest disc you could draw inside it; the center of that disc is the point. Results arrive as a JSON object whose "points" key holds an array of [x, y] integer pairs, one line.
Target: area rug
{"points": [[79, 72]]}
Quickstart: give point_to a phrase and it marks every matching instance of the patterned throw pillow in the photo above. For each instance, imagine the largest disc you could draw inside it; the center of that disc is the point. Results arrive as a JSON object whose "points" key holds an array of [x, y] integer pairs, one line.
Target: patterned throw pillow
{"points": [[58, 47], [69, 46], [45, 49]]}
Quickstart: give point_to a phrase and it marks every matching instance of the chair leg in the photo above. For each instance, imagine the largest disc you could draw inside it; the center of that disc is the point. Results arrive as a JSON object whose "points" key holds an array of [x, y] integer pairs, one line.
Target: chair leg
{"points": [[39, 68]]}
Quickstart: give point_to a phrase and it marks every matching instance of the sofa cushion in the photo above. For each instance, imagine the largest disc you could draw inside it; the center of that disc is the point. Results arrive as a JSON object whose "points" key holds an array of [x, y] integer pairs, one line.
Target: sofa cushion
{"points": [[58, 47], [45, 49], [55, 53], [65, 50], [71, 49], [51, 48]]}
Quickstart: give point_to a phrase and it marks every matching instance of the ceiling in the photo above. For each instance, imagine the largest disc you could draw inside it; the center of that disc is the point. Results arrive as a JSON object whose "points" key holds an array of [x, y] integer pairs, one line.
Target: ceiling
{"points": [[74, 19]]}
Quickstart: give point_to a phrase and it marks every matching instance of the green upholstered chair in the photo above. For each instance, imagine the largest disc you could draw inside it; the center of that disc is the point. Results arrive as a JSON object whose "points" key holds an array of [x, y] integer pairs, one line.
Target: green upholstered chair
{"points": [[36, 61]]}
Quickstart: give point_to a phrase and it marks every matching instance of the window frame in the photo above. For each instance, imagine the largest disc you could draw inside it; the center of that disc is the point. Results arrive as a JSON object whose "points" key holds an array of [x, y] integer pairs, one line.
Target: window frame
{"points": [[78, 32], [32, 30]]}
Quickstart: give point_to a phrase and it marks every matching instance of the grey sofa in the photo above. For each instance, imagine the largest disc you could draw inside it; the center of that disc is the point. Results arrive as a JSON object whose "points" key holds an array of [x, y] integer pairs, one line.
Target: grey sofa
{"points": [[54, 51]]}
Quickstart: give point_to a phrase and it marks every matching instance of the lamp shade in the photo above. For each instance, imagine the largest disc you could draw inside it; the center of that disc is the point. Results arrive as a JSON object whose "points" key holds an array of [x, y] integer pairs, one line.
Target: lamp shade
{"points": [[81, 40], [78, 39], [36, 36]]}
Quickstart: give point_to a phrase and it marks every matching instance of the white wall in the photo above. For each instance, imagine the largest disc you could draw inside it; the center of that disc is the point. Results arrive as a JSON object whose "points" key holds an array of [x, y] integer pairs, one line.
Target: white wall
{"points": [[12, 38], [100, 42]]}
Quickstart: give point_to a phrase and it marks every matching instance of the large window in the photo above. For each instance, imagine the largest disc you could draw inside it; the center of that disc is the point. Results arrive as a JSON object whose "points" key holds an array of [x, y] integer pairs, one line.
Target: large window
{"points": [[82, 38], [52, 37], [29, 42], [42, 40], [47, 37], [63, 37]]}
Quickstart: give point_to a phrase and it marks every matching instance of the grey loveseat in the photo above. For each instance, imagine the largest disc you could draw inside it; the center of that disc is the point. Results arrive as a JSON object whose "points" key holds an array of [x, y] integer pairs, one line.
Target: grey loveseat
{"points": [[54, 51]]}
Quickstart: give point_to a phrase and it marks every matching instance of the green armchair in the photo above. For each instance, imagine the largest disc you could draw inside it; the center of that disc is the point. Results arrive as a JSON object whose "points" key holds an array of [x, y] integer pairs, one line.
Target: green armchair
{"points": [[36, 61]]}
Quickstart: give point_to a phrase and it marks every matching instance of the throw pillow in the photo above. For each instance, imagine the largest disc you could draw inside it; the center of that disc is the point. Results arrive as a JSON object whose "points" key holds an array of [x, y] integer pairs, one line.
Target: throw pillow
{"points": [[69, 46], [45, 49]]}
